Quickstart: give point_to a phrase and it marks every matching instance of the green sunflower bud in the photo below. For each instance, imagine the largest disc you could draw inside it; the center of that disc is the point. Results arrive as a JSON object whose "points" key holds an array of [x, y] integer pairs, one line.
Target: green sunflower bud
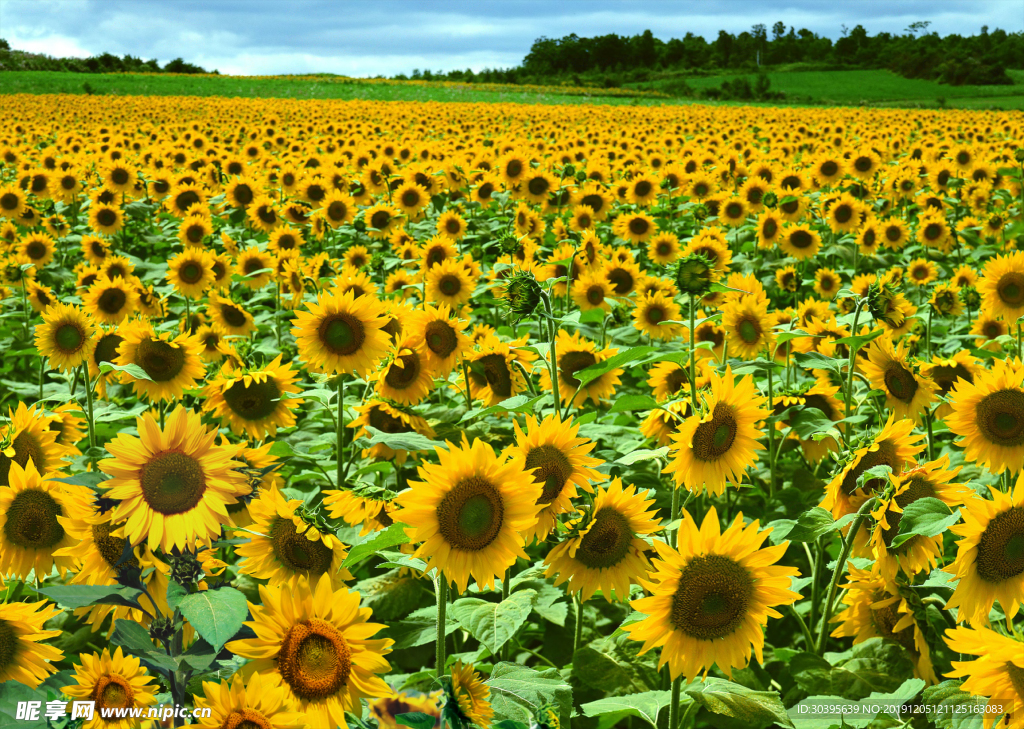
{"points": [[1019, 155], [509, 244], [359, 225], [694, 275], [700, 213], [522, 293], [970, 297], [770, 200]]}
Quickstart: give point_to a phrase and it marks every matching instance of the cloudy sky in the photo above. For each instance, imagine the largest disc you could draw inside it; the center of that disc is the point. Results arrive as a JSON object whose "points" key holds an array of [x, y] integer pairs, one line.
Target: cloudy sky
{"points": [[387, 37]]}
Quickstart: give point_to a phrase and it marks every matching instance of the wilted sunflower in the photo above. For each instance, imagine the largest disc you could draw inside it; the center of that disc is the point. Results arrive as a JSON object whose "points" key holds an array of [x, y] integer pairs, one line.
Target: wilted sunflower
{"points": [[997, 674], [191, 272], [604, 550], [260, 703], [342, 333], [470, 695], [988, 415], [112, 682], [316, 641], [653, 309], [30, 505], [574, 353], [876, 609], [557, 459], [389, 419], [65, 336], [25, 658], [174, 485], [282, 544], [111, 301], [990, 557], [907, 393], [710, 600], [255, 401], [712, 449], [173, 364], [470, 512]]}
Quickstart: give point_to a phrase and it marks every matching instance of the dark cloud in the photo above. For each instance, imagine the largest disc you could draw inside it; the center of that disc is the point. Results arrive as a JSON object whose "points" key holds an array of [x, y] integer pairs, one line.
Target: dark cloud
{"points": [[394, 36]]}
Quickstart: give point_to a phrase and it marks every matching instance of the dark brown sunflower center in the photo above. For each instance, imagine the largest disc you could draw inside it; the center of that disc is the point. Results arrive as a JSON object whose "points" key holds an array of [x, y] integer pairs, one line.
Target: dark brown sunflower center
{"points": [[435, 256], [514, 168], [470, 516], [69, 337], [9, 201], [655, 315], [441, 338], [234, 316], [917, 488], [380, 219], [885, 619], [843, 213], [404, 372], [8, 644], [32, 521], [639, 226], [595, 295], [712, 599], [191, 273], [342, 334], [734, 210], [884, 455], [110, 548], [945, 377], [538, 186], [1000, 417], [714, 438], [1001, 547], [863, 164], [829, 168], [801, 239], [386, 422], [643, 188], [493, 370], [676, 379], [553, 469], [900, 382], [112, 301], [1010, 289], [161, 360], [608, 540], [172, 482], [106, 348], [314, 660], [572, 362], [246, 719], [296, 552], [258, 401], [449, 285], [113, 692], [337, 211], [106, 217]]}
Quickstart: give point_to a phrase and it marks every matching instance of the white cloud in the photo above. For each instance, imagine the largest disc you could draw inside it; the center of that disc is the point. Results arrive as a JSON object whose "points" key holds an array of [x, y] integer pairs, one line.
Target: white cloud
{"points": [[52, 45]]}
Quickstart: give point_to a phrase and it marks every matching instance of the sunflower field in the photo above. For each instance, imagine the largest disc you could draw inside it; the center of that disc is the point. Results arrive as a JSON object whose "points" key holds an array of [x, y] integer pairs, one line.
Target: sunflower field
{"points": [[360, 414]]}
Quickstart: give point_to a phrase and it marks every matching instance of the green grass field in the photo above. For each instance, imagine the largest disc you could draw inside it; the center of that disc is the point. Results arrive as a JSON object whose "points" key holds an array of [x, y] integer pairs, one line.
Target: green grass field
{"points": [[872, 87]]}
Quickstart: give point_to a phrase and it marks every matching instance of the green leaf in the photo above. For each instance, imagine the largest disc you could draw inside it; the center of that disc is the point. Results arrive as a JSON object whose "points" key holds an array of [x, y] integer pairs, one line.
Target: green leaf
{"points": [[642, 454], [416, 720], [808, 422], [215, 614], [493, 623], [132, 369], [818, 361], [410, 441], [390, 537], [631, 403], [135, 641], [633, 354], [514, 404], [77, 596], [811, 524], [645, 706], [822, 712], [856, 341], [419, 628], [200, 656], [731, 699], [518, 692], [880, 471], [175, 593], [953, 708], [927, 517], [603, 665], [759, 366]]}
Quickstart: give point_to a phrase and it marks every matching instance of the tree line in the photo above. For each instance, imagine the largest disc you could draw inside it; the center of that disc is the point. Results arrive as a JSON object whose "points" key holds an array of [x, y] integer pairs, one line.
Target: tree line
{"points": [[14, 60]]}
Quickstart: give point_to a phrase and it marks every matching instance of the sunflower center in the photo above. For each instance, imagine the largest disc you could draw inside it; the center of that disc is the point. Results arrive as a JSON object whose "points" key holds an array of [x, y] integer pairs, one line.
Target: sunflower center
{"points": [[715, 437], [655, 314], [885, 619], [191, 272], [1011, 289], [8, 644], [621, 280], [801, 239], [1001, 547], [172, 482], [256, 402], [403, 377], [106, 348], [232, 315], [112, 301], [69, 337], [900, 382], [110, 548], [749, 331], [471, 514], [386, 422], [441, 338], [380, 219], [514, 168], [572, 362], [1000, 417], [885, 455], [608, 540], [342, 334], [449, 285], [113, 692], [106, 217], [829, 168], [297, 553], [314, 660], [917, 488], [770, 228], [595, 295], [712, 598], [32, 521], [161, 360], [553, 470], [9, 201], [246, 719]]}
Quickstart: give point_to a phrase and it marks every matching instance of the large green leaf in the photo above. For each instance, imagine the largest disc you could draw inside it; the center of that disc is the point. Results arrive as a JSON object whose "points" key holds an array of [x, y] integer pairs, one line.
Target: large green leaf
{"points": [[645, 706], [390, 537], [757, 708], [419, 628], [633, 354], [410, 441], [822, 712], [952, 708], [215, 614], [518, 692], [135, 641], [927, 517], [77, 596], [874, 666], [493, 623]]}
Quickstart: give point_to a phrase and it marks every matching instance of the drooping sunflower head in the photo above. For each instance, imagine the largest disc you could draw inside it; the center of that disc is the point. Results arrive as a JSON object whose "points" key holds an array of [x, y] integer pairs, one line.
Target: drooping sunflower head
{"points": [[467, 696]]}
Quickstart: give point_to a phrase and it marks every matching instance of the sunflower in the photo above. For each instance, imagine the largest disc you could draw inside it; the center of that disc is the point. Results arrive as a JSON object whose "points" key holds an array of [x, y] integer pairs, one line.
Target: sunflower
{"points": [[387, 418], [442, 336], [907, 393], [230, 317], [494, 375], [282, 544], [989, 564], [149, 302], [827, 282], [28, 435], [769, 229], [711, 449], [989, 328], [191, 272], [449, 283], [106, 218], [356, 257], [711, 599], [747, 327], [997, 674], [172, 365], [652, 310], [1002, 286], [406, 377], [988, 414], [111, 301], [380, 220], [314, 641], [557, 459], [512, 167], [25, 658], [342, 333], [864, 163], [945, 372], [876, 609], [194, 230], [255, 401], [471, 512], [30, 505], [112, 682], [470, 695], [733, 212], [285, 238], [605, 549], [574, 353], [174, 485], [241, 192], [12, 201], [256, 267], [664, 248], [37, 248], [386, 710], [799, 241], [635, 227], [338, 209], [668, 379], [592, 290], [68, 422], [65, 336], [262, 214], [260, 703], [894, 446], [711, 244]]}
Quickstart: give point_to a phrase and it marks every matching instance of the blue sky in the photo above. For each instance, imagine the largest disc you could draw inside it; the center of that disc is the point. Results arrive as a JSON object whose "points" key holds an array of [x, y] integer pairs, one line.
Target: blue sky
{"points": [[395, 36]]}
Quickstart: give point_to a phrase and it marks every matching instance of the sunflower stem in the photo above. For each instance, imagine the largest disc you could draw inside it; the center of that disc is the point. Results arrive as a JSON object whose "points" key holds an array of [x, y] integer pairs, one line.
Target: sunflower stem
{"points": [[816, 565], [42, 374], [553, 357], [577, 636], [1018, 338], [465, 378], [928, 334], [674, 514], [931, 437], [88, 402], [341, 428], [673, 705], [803, 627], [441, 595], [853, 356], [771, 436], [693, 354], [844, 553]]}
